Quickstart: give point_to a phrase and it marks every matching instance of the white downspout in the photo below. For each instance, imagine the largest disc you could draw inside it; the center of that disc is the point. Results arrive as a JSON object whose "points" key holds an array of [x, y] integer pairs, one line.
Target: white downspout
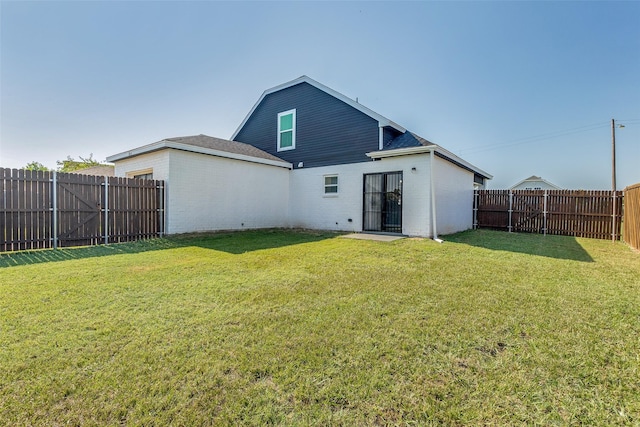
{"points": [[433, 198]]}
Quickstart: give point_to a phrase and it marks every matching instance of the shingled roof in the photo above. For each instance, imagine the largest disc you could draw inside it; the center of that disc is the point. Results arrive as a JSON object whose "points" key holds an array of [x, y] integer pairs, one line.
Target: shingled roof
{"points": [[220, 144], [406, 140], [410, 143], [205, 144]]}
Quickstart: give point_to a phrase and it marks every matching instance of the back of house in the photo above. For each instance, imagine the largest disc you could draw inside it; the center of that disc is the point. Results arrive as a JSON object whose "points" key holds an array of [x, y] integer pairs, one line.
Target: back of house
{"points": [[333, 164]]}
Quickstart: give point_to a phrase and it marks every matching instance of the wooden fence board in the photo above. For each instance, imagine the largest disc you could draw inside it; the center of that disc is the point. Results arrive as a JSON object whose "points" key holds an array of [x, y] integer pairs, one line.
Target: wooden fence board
{"points": [[79, 201], [43, 202], [15, 211], [3, 211], [90, 209], [562, 212], [632, 216], [27, 206]]}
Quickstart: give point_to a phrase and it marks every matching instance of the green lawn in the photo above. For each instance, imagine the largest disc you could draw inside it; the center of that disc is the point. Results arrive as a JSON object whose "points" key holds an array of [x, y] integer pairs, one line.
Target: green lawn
{"points": [[301, 328]]}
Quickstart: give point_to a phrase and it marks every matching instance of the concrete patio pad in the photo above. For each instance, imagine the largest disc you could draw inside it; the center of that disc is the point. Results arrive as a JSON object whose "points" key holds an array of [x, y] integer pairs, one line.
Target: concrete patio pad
{"points": [[376, 237]]}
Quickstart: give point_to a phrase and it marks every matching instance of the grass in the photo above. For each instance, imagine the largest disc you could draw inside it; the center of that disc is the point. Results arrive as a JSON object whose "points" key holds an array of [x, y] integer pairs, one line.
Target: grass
{"points": [[302, 328]]}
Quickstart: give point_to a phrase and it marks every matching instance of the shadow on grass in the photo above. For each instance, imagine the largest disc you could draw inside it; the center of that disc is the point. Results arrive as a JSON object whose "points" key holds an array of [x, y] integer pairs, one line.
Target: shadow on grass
{"points": [[560, 247], [231, 242]]}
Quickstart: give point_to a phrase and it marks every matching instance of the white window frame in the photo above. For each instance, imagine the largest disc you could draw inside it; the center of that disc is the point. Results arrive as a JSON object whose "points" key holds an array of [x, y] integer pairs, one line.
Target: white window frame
{"points": [[325, 185], [138, 173], [293, 130]]}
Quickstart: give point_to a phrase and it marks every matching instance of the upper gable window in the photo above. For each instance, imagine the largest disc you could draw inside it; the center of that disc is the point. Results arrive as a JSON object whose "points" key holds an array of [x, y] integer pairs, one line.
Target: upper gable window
{"points": [[287, 130]]}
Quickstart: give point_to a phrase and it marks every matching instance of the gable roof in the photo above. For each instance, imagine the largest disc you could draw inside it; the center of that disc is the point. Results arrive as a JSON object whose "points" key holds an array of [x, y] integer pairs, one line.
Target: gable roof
{"points": [[404, 144], [383, 121], [534, 178], [204, 144]]}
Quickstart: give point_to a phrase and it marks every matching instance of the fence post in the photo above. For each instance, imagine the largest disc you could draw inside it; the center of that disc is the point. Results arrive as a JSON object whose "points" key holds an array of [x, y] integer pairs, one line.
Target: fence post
{"points": [[54, 210], [510, 209], [163, 208], [106, 210], [613, 217], [475, 209], [544, 213]]}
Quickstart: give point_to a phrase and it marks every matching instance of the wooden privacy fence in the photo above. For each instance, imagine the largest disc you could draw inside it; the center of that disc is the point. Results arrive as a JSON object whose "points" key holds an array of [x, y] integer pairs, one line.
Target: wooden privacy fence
{"points": [[580, 213], [632, 216], [49, 209]]}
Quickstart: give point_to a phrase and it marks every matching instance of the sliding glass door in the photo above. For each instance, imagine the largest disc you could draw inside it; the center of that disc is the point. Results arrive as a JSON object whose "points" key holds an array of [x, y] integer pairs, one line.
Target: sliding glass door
{"points": [[382, 210]]}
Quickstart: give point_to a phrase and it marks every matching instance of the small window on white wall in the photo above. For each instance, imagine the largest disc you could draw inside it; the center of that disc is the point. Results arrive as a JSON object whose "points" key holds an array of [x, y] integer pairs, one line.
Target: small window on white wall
{"points": [[331, 185], [287, 130], [144, 176], [141, 174]]}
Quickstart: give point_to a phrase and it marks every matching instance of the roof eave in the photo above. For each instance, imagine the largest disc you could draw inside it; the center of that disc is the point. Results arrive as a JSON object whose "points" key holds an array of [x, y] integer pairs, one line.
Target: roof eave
{"points": [[400, 152], [137, 151], [161, 145], [447, 155]]}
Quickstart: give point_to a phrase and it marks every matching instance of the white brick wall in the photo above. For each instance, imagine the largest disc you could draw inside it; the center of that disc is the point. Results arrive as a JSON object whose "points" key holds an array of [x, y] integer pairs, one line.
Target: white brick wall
{"points": [[208, 193], [310, 208], [454, 198], [158, 161], [212, 193]]}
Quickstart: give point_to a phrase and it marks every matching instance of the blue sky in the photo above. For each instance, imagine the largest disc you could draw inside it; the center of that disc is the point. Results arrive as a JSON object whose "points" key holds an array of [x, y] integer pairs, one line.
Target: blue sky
{"points": [[516, 88]]}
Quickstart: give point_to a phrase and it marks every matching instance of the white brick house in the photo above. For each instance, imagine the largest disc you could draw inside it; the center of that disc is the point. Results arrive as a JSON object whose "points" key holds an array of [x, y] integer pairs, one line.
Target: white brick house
{"points": [[306, 156]]}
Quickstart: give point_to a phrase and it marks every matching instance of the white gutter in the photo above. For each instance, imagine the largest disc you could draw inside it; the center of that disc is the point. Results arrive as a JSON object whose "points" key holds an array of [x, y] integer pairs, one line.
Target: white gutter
{"points": [[457, 159], [400, 152], [161, 145]]}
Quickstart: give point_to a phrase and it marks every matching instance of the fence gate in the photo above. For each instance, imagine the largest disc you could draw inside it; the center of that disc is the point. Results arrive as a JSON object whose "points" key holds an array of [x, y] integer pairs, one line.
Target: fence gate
{"points": [[580, 213], [41, 210], [80, 214]]}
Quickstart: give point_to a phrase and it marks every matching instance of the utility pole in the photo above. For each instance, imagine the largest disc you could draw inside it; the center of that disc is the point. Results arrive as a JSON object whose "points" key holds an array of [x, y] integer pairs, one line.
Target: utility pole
{"points": [[613, 154], [613, 178]]}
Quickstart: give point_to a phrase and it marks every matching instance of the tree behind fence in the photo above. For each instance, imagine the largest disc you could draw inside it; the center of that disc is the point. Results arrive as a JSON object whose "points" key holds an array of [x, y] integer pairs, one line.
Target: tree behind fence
{"points": [[48, 209], [580, 213]]}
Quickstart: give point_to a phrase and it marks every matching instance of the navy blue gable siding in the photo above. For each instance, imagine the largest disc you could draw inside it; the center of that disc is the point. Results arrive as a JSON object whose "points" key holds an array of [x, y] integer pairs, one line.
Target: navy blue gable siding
{"points": [[328, 131]]}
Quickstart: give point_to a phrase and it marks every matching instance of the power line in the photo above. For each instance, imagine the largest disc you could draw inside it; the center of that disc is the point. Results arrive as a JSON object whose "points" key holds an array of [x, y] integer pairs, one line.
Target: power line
{"points": [[541, 137]]}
